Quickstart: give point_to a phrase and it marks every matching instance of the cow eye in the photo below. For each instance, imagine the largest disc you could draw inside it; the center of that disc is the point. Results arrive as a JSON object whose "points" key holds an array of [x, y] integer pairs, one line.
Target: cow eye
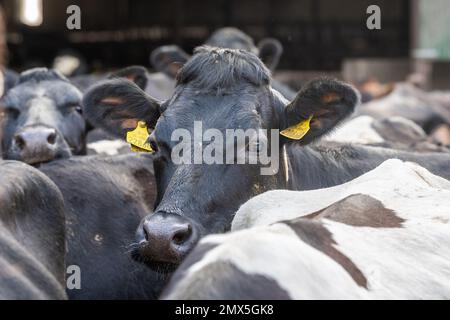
{"points": [[77, 109]]}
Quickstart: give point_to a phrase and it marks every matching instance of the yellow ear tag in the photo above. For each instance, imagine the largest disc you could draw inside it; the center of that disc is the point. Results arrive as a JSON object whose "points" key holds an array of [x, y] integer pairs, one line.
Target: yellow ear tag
{"points": [[297, 131], [138, 138]]}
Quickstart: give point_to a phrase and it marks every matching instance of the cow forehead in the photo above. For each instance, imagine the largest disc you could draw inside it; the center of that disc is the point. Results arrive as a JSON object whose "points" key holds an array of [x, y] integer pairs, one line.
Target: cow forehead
{"points": [[60, 92], [213, 112]]}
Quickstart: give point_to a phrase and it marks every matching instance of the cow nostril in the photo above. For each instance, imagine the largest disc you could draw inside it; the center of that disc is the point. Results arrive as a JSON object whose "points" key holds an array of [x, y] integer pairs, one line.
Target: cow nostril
{"points": [[51, 139], [19, 141], [182, 235]]}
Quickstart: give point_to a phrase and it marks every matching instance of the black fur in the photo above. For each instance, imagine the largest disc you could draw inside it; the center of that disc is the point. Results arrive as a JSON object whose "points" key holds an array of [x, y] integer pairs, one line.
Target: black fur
{"points": [[270, 51], [310, 101], [136, 74], [221, 71], [105, 198], [225, 281], [32, 234], [40, 74], [134, 103]]}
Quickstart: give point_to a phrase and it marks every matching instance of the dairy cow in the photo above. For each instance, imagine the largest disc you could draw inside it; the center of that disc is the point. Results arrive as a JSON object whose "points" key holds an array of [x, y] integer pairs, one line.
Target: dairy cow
{"points": [[396, 132], [230, 89], [384, 235]]}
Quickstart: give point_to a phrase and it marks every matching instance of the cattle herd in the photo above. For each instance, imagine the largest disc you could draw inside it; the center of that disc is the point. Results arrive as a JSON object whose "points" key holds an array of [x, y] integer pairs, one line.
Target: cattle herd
{"points": [[358, 209]]}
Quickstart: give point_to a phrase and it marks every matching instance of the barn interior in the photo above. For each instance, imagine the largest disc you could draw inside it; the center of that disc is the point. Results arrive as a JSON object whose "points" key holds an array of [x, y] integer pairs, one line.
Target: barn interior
{"points": [[317, 35]]}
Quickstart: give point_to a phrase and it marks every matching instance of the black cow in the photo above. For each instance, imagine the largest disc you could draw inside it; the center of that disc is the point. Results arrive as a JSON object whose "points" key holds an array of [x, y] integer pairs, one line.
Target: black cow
{"points": [[32, 234], [105, 198], [230, 89], [42, 118]]}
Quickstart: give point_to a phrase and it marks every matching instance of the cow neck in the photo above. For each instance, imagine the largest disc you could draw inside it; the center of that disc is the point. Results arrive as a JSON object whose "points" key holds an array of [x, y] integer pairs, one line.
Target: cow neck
{"points": [[313, 167]]}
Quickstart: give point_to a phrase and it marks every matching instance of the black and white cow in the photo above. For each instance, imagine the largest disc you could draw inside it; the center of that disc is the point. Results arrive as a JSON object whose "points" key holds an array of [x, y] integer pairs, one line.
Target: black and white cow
{"points": [[396, 132], [384, 235], [230, 89], [409, 102], [105, 199], [42, 118], [32, 234]]}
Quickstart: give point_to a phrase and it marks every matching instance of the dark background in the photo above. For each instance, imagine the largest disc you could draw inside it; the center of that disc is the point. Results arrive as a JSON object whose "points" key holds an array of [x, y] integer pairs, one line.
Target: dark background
{"points": [[316, 34]]}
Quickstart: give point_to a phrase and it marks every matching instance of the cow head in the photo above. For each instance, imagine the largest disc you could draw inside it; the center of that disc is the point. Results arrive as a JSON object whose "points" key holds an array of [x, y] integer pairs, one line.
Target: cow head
{"points": [[217, 90], [169, 59], [42, 118]]}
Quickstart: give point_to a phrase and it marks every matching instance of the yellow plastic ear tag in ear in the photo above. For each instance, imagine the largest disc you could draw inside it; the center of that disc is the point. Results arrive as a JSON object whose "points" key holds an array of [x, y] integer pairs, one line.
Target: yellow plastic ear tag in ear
{"points": [[297, 131], [138, 138]]}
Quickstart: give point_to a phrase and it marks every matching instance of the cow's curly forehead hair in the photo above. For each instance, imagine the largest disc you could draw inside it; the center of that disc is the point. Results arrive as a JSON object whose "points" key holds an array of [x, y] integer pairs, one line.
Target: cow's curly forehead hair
{"points": [[41, 74], [220, 70]]}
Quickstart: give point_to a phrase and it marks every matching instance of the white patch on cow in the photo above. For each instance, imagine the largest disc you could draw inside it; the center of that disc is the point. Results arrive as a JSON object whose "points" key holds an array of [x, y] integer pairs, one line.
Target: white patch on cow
{"points": [[407, 262], [42, 110], [402, 186], [108, 147], [411, 262], [357, 130], [253, 250]]}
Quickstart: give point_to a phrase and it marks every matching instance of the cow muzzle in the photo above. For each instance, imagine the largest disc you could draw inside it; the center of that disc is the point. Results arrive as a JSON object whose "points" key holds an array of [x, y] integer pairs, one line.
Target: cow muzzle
{"points": [[37, 144], [164, 239]]}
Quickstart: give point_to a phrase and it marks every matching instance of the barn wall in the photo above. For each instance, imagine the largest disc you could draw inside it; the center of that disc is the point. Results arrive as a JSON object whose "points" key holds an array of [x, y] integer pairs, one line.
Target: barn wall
{"points": [[316, 34]]}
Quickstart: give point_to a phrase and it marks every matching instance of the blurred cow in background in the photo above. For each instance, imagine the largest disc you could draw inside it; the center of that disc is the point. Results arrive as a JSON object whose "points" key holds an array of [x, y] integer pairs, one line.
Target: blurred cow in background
{"points": [[42, 118], [169, 59], [431, 111]]}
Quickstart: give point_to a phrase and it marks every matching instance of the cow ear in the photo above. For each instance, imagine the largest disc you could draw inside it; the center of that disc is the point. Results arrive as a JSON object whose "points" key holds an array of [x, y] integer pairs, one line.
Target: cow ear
{"points": [[270, 51], [317, 109], [117, 105], [168, 59], [136, 74]]}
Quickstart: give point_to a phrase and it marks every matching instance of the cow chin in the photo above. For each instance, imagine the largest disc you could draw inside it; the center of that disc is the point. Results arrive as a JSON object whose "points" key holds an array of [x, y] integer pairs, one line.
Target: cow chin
{"points": [[157, 266]]}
